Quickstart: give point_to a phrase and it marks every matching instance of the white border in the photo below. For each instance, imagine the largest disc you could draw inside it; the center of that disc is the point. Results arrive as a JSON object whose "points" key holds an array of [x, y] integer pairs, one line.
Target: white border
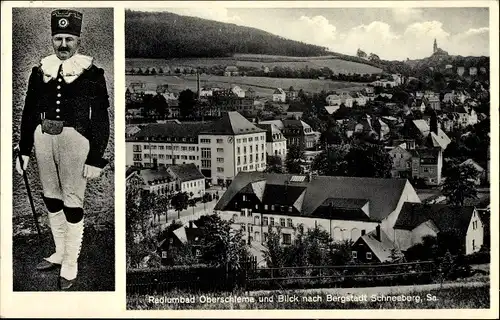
{"points": [[81, 304]]}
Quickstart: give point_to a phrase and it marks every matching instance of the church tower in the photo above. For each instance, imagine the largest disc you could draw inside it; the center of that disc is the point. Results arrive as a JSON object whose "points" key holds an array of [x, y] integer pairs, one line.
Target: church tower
{"points": [[435, 46]]}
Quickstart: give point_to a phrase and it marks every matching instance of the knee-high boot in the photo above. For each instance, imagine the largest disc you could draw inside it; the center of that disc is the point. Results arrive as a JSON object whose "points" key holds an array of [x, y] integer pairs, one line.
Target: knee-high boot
{"points": [[73, 244], [57, 221]]}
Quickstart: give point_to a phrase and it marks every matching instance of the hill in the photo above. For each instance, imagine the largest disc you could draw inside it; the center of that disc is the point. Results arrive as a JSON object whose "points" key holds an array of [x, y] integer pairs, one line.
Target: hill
{"points": [[180, 36]]}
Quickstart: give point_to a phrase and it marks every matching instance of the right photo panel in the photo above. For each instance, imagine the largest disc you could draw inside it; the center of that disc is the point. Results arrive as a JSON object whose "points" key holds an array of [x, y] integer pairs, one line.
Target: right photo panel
{"points": [[307, 158]]}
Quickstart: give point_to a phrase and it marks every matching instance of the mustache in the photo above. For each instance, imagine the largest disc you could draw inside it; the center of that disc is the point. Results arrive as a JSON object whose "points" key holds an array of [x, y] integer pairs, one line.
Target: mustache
{"points": [[63, 49]]}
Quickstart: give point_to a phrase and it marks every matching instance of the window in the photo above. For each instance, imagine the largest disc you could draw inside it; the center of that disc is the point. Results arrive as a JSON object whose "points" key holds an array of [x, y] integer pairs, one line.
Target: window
{"points": [[192, 148], [250, 139], [354, 254], [168, 147], [282, 222], [238, 141], [265, 207], [257, 157], [257, 220], [239, 169], [272, 207], [257, 148], [146, 156], [153, 147], [251, 158], [244, 159], [242, 212], [206, 153], [368, 256], [184, 157], [239, 161], [289, 222], [204, 140], [244, 140], [138, 157], [251, 149], [161, 156], [244, 149], [271, 221], [184, 148], [206, 163], [265, 236], [265, 221], [219, 141], [198, 253], [243, 227], [220, 169], [192, 158], [137, 148], [238, 150], [220, 149], [251, 167], [220, 160], [287, 238], [146, 147], [290, 209]]}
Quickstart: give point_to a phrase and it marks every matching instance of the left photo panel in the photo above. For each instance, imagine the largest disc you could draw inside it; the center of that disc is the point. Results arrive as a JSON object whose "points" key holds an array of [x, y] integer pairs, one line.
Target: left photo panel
{"points": [[63, 140]]}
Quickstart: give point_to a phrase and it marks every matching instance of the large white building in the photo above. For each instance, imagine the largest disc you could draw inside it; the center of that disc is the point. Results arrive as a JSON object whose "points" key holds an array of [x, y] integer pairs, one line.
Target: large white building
{"points": [[220, 149], [345, 207]]}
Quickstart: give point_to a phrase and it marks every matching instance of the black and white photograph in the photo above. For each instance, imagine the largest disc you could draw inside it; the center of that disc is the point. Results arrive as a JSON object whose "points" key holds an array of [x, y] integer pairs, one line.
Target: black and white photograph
{"points": [[63, 166], [307, 158]]}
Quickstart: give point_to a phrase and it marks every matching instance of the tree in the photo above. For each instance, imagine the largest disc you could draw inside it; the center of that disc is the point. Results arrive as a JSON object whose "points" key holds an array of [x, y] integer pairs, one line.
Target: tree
{"points": [[274, 252], [274, 164], [180, 202], [459, 183], [294, 159], [361, 54], [223, 246], [368, 160], [331, 162], [187, 101]]}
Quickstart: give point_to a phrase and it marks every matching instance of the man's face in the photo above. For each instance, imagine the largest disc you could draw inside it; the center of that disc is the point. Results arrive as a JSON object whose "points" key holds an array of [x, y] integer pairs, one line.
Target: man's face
{"points": [[65, 45]]}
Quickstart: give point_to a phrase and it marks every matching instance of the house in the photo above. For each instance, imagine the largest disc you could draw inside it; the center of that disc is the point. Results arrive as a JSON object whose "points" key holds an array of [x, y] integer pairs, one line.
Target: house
{"points": [[333, 100], [345, 207], [359, 98], [135, 91], [156, 180], [291, 95], [346, 99], [419, 105], [481, 177], [206, 92], [435, 136], [401, 162], [433, 102], [384, 83], [398, 79], [275, 140], [332, 109], [465, 116], [296, 132], [279, 95], [375, 247], [417, 220], [188, 233], [373, 127], [427, 164], [130, 130], [188, 178], [237, 91], [369, 91], [231, 71]]}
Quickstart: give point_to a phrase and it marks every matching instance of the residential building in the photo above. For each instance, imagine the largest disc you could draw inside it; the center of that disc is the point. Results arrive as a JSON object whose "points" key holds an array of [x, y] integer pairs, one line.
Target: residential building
{"points": [[434, 136], [401, 162], [464, 116], [346, 99], [291, 95], [237, 91], [345, 207], [374, 247], [333, 100], [279, 95], [370, 91], [372, 127], [231, 71], [153, 180], [187, 234], [384, 83], [188, 178], [230, 145], [359, 98], [296, 132], [417, 220], [332, 109], [434, 103], [206, 92], [135, 92], [427, 164], [275, 140]]}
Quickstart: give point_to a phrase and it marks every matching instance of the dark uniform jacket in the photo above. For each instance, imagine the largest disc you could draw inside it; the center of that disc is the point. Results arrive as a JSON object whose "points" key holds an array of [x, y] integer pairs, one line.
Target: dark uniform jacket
{"points": [[82, 104]]}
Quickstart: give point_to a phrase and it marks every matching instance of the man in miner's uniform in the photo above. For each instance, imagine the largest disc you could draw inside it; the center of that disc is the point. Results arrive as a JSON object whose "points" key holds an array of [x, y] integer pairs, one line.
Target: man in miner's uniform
{"points": [[65, 118]]}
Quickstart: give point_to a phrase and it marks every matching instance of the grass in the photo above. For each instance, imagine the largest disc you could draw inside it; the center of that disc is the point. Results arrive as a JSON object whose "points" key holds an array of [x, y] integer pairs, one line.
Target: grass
{"points": [[263, 86], [457, 297], [257, 61]]}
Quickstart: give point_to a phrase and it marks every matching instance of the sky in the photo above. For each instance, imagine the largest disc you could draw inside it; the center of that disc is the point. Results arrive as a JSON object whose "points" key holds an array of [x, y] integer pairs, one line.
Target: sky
{"points": [[391, 33]]}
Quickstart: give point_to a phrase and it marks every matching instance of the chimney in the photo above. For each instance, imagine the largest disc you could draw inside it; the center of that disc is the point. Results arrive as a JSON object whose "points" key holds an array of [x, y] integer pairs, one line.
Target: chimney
{"points": [[377, 232], [190, 224], [363, 232]]}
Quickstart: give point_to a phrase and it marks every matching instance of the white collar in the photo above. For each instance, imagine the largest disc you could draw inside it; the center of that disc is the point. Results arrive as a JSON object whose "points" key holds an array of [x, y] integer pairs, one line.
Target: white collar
{"points": [[72, 68]]}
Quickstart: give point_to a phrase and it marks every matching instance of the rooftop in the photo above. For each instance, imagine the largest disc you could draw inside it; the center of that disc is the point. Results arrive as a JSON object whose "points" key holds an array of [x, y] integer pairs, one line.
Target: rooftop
{"points": [[231, 123], [186, 172]]}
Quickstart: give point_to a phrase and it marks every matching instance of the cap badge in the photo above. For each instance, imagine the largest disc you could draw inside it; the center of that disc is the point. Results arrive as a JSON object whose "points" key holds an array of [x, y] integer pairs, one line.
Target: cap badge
{"points": [[63, 23]]}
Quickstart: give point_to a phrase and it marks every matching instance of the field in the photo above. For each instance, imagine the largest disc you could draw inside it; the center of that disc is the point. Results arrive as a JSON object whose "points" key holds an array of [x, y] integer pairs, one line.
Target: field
{"points": [[257, 61], [263, 86], [459, 297]]}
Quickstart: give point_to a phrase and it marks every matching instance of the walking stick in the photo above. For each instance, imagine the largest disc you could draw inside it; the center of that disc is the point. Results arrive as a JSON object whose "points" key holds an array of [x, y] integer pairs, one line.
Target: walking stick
{"points": [[30, 197]]}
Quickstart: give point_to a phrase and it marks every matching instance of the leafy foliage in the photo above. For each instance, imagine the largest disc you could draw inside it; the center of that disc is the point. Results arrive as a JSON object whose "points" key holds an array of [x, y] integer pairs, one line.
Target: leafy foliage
{"points": [[331, 162], [274, 164], [459, 183], [294, 159], [180, 201], [368, 160]]}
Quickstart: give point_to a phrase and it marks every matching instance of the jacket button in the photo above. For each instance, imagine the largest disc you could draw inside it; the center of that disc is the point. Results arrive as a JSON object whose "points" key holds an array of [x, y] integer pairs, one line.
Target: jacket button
{"points": [[58, 87], [59, 79], [58, 95], [58, 102], [57, 110], [57, 117]]}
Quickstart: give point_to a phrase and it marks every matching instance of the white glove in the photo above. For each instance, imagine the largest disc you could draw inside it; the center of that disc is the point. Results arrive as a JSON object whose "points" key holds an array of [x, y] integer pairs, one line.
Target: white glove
{"points": [[25, 164], [91, 172]]}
